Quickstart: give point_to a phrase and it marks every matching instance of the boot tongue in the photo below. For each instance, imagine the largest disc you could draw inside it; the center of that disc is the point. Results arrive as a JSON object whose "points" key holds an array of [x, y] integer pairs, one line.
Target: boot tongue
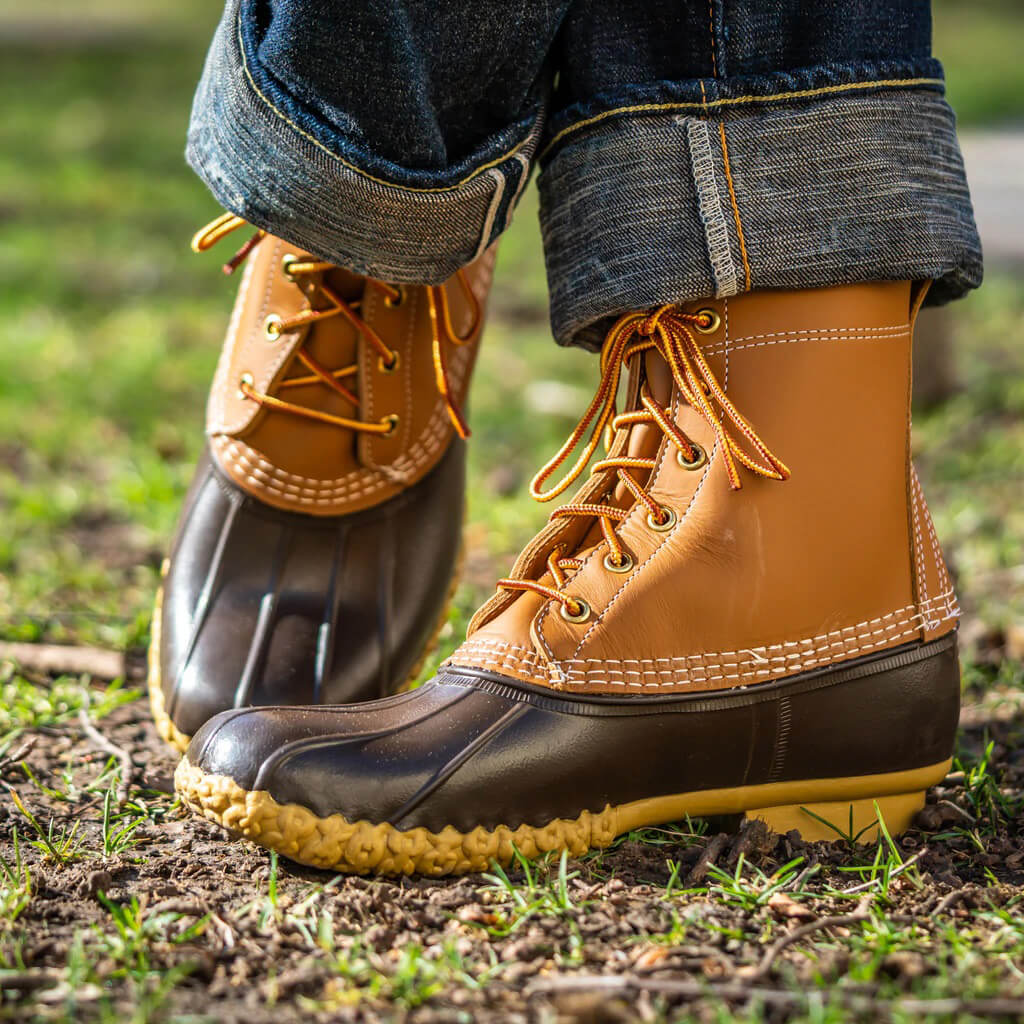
{"points": [[645, 438], [333, 342]]}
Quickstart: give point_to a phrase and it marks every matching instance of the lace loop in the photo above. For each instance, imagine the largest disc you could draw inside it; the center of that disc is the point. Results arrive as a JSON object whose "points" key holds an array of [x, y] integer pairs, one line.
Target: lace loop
{"points": [[311, 272], [669, 331]]}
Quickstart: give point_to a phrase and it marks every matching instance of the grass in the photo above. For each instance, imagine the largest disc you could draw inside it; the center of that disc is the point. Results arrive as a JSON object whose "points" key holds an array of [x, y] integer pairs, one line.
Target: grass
{"points": [[109, 332]]}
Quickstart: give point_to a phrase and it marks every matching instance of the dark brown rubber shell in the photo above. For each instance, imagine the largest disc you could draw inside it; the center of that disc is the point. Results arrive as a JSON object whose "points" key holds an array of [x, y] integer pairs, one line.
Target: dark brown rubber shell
{"points": [[472, 748], [263, 606]]}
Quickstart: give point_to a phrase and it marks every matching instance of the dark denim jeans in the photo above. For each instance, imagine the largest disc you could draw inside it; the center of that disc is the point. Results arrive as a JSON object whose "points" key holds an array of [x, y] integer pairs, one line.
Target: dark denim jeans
{"points": [[687, 149]]}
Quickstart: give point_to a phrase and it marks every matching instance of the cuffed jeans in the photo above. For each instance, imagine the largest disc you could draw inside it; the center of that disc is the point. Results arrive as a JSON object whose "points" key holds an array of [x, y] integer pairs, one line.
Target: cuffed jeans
{"points": [[686, 149]]}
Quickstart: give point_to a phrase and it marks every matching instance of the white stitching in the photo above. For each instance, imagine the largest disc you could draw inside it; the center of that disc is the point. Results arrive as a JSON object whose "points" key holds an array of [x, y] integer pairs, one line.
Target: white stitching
{"points": [[709, 205], [498, 653], [492, 210], [942, 573], [922, 576], [253, 466], [852, 334], [816, 331]]}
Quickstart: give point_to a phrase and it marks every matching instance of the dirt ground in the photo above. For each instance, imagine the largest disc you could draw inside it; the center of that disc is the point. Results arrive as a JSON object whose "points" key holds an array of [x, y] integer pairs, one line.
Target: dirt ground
{"points": [[134, 910]]}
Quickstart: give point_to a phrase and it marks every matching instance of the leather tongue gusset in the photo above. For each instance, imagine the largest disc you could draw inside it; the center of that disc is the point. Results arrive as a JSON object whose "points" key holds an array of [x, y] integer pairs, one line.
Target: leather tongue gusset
{"points": [[645, 438]]}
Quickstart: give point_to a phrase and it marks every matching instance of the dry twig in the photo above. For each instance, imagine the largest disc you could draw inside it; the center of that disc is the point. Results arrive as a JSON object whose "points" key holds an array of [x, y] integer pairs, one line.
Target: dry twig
{"points": [[109, 747], [63, 660]]}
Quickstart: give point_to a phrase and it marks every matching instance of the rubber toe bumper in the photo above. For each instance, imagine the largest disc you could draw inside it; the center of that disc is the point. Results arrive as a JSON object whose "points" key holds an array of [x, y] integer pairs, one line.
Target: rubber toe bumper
{"points": [[449, 776]]}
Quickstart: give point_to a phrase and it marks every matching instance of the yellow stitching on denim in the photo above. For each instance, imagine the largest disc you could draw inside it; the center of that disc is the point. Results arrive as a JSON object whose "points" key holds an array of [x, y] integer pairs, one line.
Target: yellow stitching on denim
{"points": [[735, 207], [352, 167], [711, 27], [650, 108]]}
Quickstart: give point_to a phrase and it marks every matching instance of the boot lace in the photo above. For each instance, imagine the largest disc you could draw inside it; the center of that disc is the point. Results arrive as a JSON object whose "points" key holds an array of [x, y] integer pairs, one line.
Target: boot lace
{"points": [[670, 331], [444, 334]]}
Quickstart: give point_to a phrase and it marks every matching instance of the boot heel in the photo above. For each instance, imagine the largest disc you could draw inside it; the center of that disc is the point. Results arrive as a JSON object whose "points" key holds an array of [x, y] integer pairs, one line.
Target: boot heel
{"points": [[843, 819]]}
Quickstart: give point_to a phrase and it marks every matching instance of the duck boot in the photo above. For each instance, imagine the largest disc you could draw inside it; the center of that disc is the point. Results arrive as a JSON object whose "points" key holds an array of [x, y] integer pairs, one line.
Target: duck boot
{"points": [[743, 611], [318, 545]]}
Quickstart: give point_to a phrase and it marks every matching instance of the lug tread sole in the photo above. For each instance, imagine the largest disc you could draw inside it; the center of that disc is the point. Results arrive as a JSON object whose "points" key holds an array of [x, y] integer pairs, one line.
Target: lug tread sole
{"points": [[362, 847]]}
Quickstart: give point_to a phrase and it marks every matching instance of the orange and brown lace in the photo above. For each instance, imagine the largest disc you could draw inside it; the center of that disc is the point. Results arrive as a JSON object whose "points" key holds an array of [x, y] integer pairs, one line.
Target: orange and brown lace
{"points": [[314, 272], [670, 331]]}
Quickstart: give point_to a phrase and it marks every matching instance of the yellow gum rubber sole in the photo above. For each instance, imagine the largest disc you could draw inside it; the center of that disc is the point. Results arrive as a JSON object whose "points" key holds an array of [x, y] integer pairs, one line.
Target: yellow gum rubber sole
{"points": [[362, 847], [171, 734]]}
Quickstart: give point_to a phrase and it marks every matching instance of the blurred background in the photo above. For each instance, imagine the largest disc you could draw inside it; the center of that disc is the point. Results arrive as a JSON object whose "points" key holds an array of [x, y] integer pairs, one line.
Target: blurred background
{"points": [[110, 329]]}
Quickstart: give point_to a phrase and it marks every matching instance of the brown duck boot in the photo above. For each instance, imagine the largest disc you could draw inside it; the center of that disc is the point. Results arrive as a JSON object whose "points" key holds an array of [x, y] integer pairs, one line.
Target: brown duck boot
{"points": [[318, 545], [744, 611]]}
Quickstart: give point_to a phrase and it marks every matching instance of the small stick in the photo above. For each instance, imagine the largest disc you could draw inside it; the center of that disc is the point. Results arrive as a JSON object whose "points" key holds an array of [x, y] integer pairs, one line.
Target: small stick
{"points": [[107, 746], [834, 921], [63, 660], [18, 755], [711, 853], [949, 901]]}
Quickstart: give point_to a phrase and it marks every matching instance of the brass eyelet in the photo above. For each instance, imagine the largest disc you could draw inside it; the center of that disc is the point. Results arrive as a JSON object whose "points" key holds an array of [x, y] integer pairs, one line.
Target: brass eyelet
{"points": [[667, 522], [700, 457], [272, 328], [392, 422], [247, 379], [286, 265], [714, 321], [395, 303], [624, 566], [581, 616], [388, 367]]}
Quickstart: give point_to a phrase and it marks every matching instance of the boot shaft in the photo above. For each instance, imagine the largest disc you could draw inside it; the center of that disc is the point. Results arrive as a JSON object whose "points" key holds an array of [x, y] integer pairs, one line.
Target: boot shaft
{"points": [[779, 576]]}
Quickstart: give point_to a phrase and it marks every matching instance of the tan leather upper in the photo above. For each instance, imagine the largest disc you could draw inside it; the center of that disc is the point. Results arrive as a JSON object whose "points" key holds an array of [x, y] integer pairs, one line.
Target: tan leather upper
{"points": [[320, 468], [776, 578]]}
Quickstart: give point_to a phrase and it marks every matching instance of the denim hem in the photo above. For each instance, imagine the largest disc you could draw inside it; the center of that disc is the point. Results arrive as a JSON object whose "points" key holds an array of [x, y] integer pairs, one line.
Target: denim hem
{"points": [[261, 164], [646, 209]]}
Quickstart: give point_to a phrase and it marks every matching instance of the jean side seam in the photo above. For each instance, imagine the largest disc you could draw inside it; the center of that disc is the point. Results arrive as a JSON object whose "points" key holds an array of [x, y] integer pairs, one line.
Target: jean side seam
{"points": [[711, 29], [712, 216], [730, 101], [348, 164], [735, 207], [492, 211]]}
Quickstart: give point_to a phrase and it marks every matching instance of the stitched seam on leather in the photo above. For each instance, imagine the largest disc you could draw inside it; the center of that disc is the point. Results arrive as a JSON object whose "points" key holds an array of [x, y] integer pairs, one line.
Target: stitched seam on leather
{"points": [[366, 380], [845, 335], [922, 576], [666, 539], [285, 348], [228, 348], [726, 345], [942, 573], [407, 438], [514, 654], [247, 460], [858, 329], [496, 642], [659, 463], [885, 636], [655, 473]]}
